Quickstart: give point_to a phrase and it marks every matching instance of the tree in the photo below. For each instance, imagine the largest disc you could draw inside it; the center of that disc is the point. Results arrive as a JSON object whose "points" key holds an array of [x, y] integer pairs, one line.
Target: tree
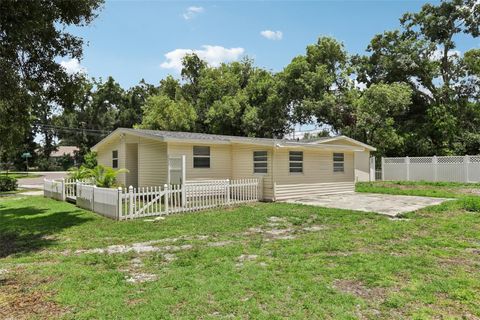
{"points": [[91, 111], [423, 54], [130, 110], [313, 85], [378, 112], [32, 36], [163, 113]]}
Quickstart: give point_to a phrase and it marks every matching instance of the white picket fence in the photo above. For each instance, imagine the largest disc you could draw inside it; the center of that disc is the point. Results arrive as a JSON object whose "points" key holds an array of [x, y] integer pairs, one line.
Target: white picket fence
{"points": [[192, 196], [447, 168], [54, 189], [122, 204]]}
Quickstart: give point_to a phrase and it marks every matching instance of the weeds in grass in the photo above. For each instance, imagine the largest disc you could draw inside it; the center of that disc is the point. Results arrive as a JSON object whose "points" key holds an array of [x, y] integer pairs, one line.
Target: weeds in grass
{"points": [[471, 204], [339, 264]]}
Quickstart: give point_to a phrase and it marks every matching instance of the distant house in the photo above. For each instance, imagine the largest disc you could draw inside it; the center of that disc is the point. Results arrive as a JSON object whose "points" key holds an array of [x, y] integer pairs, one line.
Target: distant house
{"points": [[288, 169], [63, 151]]}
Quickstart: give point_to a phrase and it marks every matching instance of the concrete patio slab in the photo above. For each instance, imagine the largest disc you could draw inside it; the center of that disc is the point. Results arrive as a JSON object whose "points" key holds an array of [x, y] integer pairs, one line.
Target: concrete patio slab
{"points": [[391, 205]]}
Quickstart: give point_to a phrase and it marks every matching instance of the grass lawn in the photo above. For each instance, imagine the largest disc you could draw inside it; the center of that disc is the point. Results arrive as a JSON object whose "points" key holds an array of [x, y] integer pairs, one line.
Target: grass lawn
{"points": [[262, 261], [421, 188]]}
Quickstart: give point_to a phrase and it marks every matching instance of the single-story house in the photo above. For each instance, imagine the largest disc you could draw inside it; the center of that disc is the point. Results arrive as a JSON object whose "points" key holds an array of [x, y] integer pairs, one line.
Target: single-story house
{"points": [[288, 169]]}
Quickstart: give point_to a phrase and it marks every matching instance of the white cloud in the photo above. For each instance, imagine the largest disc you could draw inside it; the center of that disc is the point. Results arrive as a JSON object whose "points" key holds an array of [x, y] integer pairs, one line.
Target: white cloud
{"points": [[272, 35], [73, 66], [438, 54], [213, 55], [192, 12]]}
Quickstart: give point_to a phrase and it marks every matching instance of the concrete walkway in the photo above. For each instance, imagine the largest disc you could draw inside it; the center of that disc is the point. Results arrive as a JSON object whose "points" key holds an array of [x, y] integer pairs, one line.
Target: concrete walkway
{"points": [[391, 205]]}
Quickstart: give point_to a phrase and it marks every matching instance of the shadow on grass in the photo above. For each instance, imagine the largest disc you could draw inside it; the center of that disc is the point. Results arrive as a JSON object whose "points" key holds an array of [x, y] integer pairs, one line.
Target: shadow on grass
{"points": [[28, 229]]}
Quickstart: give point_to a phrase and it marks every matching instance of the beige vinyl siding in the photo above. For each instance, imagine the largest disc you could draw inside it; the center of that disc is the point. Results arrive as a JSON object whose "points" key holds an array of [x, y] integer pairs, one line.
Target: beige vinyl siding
{"points": [[220, 161], [104, 156], [131, 164], [152, 163], [362, 166], [242, 167], [317, 177]]}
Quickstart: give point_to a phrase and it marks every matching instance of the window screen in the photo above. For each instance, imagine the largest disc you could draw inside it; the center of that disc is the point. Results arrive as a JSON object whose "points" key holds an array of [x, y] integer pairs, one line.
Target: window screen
{"points": [[296, 161], [201, 157], [115, 159], [260, 159], [338, 162]]}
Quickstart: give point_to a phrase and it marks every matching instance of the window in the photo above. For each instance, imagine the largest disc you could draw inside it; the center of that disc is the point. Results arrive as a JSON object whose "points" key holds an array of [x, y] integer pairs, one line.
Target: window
{"points": [[260, 162], [115, 159], [338, 162], [201, 157], [296, 161]]}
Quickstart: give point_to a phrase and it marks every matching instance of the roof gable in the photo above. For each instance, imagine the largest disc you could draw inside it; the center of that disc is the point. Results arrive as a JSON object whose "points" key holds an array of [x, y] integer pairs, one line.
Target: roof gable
{"points": [[340, 139]]}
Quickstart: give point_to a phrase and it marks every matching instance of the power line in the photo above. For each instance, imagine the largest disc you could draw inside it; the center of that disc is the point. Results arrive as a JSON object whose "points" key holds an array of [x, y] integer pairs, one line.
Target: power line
{"points": [[74, 130]]}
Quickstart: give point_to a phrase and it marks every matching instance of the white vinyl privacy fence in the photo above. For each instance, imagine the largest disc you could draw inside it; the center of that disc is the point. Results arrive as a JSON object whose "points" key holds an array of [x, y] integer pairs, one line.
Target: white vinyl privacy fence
{"points": [[130, 203], [448, 168]]}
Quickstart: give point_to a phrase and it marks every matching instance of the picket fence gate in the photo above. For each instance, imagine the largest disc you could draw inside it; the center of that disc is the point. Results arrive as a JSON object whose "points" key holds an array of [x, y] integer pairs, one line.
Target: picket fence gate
{"points": [[192, 196], [130, 203]]}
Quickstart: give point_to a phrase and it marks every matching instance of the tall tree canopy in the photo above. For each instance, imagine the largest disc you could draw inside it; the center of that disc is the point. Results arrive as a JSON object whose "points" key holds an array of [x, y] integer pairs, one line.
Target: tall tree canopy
{"points": [[412, 93], [235, 98], [444, 113], [32, 37]]}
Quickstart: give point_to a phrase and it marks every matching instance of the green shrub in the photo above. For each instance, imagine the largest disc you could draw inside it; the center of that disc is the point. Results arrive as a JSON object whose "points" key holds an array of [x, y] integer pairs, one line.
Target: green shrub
{"points": [[471, 204], [8, 183]]}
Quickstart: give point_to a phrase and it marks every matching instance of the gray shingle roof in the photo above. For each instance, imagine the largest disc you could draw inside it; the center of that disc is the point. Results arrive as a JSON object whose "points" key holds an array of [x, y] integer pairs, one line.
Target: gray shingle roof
{"points": [[212, 137]]}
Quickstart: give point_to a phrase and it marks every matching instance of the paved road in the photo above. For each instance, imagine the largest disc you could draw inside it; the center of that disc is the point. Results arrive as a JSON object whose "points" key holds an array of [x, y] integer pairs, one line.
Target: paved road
{"points": [[37, 183]]}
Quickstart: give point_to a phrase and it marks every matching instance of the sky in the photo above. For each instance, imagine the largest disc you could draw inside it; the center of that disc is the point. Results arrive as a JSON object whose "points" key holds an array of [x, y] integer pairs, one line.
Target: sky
{"points": [[131, 40]]}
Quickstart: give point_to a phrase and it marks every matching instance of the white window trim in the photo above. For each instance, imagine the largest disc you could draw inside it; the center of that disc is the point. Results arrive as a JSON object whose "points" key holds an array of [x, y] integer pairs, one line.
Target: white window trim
{"points": [[266, 161], [333, 163], [202, 156], [113, 159], [296, 161]]}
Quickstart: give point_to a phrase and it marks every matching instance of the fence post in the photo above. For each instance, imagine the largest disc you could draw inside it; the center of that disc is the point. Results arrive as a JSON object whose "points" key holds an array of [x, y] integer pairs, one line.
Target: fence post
{"points": [[63, 190], [372, 169], [383, 169], [93, 198], [466, 161], [227, 186], [407, 162], [167, 193], [435, 168], [130, 201], [119, 203], [184, 194]]}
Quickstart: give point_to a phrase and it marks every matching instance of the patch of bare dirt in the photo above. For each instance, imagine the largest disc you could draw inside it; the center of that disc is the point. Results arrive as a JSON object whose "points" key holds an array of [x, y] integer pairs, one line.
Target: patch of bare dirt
{"points": [[135, 273], [140, 247], [358, 289], [22, 299], [470, 191]]}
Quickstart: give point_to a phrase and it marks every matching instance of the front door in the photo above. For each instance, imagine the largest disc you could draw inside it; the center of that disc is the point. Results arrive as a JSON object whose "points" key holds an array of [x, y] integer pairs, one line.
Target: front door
{"points": [[176, 170]]}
